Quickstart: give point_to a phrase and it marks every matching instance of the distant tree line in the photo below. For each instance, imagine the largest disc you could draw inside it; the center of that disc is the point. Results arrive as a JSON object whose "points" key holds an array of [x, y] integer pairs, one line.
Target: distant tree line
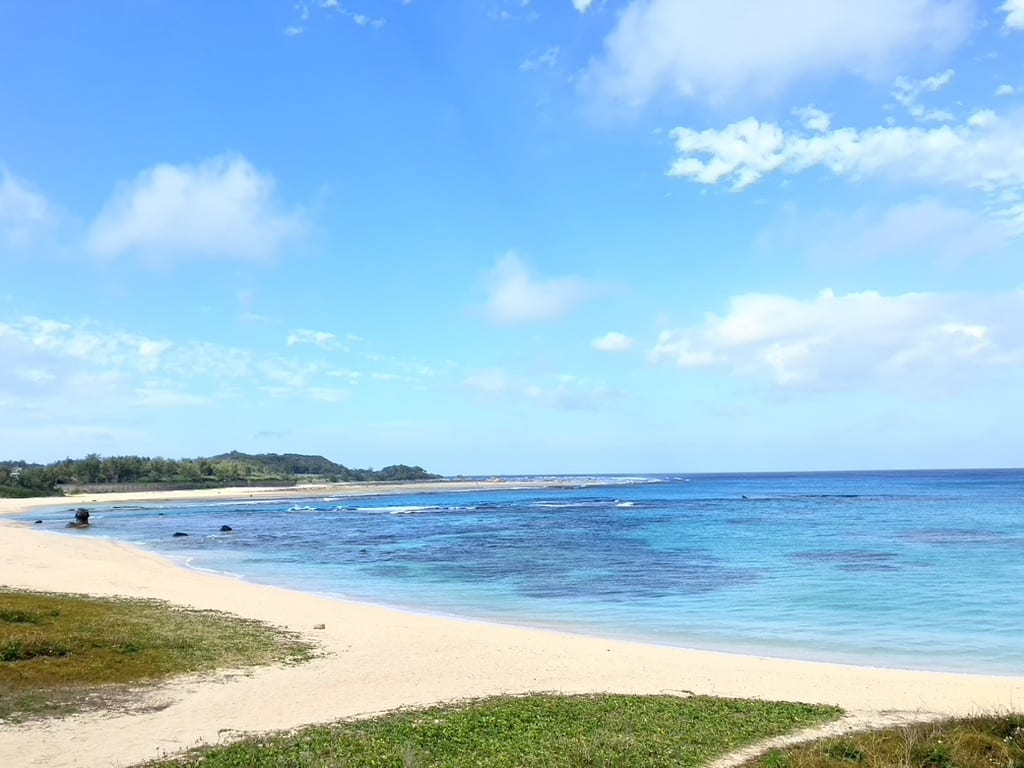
{"points": [[19, 478]]}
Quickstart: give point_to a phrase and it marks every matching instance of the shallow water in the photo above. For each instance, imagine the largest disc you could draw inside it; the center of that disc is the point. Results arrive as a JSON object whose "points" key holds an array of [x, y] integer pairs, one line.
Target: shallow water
{"points": [[907, 569]]}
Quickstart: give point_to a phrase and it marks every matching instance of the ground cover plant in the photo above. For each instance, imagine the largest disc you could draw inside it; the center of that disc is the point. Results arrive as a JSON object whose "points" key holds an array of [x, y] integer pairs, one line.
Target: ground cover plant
{"points": [[548, 731], [59, 653], [979, 742]]}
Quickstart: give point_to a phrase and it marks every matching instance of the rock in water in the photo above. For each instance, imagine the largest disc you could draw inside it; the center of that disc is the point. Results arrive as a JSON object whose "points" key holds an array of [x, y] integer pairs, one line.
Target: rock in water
{"points": [[178, 534], [225, 529], [81, 519]]}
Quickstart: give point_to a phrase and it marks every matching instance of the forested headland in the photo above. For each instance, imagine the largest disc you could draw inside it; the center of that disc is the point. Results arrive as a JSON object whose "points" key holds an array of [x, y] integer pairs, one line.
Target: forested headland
{"points": [[96, 473]]}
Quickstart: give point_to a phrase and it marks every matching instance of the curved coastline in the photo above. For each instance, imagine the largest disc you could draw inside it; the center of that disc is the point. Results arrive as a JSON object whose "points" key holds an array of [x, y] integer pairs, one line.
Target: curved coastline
{"points": [[376, 658], [573, 630]]}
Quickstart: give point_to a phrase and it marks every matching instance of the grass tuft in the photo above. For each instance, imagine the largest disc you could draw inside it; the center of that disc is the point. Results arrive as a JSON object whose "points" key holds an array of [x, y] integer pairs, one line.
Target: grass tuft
{"points": [[980, 742], [537, 731], [59, 652]]}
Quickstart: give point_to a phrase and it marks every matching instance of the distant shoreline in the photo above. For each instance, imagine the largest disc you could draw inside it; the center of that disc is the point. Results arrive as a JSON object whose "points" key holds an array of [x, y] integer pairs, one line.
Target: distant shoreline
{"points": [[311, 491]]}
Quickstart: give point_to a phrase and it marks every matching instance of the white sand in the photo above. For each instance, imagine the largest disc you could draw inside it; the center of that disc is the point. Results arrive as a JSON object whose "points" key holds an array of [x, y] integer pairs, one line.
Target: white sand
{"points": [[377, 659]]}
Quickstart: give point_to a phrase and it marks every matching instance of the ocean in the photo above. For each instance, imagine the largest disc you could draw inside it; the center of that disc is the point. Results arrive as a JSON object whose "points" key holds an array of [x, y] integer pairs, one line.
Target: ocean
{"points": [[915, 569]]}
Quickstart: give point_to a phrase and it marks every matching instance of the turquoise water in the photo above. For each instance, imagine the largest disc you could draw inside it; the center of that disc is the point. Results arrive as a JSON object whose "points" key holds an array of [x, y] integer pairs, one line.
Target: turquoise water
{"points": [[905, 569]]}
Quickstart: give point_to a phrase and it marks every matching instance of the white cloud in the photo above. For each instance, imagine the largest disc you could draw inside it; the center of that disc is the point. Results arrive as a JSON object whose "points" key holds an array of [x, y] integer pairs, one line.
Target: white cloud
{"points": [[1005, 90], [1014, 14], [571, 393], [983, 154], [559, 391], [842, 342], [908, 93], [367, 21], [545, 60], [582, 5], [613, 341], [516, 296], [321, 339], [221, 207], [23, 213], [151, 353], [359, 19], [293, 31], [814, 119], [983, 118], [718, 49]]}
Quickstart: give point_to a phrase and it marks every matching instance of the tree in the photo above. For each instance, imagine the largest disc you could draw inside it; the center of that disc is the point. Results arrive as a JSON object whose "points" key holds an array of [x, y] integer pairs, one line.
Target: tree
{"points": [[91, 468]]}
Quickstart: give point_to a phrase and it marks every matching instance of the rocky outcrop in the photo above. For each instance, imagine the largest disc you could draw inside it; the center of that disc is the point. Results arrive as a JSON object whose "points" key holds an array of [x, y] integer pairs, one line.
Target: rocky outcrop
{"points": [[81, 519]]}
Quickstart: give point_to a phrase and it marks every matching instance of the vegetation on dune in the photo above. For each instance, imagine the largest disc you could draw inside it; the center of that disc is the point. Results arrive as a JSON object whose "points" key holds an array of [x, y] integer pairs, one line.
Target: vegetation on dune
{"points": [[21, 479], [979, 742], [546, 731], [60, 653]]}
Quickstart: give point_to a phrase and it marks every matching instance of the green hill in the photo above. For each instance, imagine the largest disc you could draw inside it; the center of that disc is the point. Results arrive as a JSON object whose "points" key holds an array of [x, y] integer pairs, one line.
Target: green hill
{"points": [[297, 464], [19, 478]]}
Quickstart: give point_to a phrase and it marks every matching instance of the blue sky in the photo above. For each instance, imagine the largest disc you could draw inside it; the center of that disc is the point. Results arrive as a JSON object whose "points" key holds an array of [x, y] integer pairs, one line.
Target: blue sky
{"points": [[504, 236]]}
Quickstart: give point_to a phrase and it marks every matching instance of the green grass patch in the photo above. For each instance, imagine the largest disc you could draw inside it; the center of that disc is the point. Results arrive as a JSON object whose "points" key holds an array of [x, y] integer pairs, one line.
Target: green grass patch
{"points": [[980, 742], [60, 652], [541, 731]]}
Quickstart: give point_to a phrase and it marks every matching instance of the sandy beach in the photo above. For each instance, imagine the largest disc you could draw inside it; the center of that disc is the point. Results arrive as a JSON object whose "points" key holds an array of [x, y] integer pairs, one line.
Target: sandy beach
{"points": [[374, 659]]}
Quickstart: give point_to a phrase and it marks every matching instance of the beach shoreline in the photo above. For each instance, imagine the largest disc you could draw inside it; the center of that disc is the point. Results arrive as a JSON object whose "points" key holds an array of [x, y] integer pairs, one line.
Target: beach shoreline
{"points": [[16, 506], [374, 658]]}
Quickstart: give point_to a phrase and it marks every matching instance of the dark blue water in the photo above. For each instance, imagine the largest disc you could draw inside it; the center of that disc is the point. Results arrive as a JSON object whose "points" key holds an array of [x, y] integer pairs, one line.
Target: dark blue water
{"points": [[906, 569]]}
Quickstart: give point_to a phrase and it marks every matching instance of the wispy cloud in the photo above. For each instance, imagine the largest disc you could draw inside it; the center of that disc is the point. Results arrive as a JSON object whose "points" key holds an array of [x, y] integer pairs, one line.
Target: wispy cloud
{"points": [[613, 341], [564, 392], [359, 19], [513, 10], [321, 339], [814, 119], [908, 92], [329, 394], [544, 60], [517, 296], [717, 50], [982, 153], [836, 342], [921, 229], [107, 369], [23, 212]]}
